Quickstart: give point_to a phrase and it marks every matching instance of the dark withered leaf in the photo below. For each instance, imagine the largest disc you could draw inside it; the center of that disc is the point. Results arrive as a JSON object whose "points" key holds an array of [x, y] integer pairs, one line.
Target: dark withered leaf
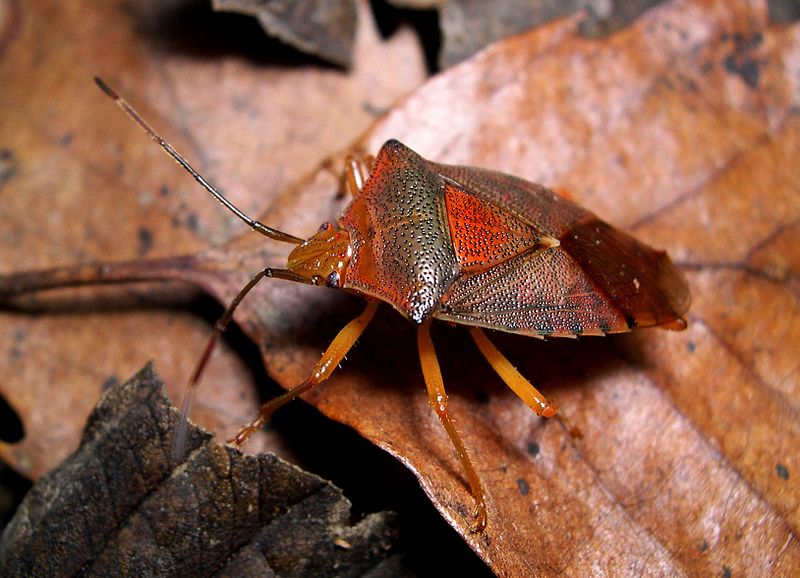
{"points": [[122, 504], [469, 25], [417, 4], [323, 28]]}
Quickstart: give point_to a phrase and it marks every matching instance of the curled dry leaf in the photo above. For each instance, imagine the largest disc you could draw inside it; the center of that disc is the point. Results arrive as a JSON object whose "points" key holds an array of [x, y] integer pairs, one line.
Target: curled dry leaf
{"points": [[124, 503], [323, 28], [469, 26], [682, 129]]}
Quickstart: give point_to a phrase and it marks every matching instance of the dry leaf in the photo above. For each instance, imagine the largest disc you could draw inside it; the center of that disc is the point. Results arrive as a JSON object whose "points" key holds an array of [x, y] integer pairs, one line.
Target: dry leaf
{"points": [[323, 28], [78, 184], [468, 26], [123, 503], [682, 129]]}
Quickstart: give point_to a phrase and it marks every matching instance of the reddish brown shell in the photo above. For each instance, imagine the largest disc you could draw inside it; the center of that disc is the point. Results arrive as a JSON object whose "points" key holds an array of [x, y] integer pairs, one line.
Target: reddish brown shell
{"points": [[477, 247]]}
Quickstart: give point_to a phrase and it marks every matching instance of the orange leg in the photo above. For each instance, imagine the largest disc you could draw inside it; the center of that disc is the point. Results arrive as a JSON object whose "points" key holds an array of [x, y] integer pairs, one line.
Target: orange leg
{"points": [[219, 328], [437, 398], [341, 344], [356, 170], [513, 378]]}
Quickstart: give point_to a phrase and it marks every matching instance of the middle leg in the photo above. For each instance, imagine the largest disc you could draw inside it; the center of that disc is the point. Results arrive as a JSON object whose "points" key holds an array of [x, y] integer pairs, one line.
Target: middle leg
{"points": [[437, 398]]}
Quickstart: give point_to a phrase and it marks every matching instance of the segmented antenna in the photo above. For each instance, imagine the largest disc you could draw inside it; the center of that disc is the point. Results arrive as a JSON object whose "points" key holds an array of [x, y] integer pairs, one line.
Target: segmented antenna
{"points": [[189, 391], [256, 225]]}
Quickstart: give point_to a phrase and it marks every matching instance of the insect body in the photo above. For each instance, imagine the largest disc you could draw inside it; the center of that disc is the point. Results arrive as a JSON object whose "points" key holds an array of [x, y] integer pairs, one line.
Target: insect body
{"points": [[484, 249], [467, 246]]}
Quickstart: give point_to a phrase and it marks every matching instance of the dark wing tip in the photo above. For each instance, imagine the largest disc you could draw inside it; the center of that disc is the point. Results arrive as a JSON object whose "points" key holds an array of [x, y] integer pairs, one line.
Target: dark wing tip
{"points": [[642, 283], [675, 289]]}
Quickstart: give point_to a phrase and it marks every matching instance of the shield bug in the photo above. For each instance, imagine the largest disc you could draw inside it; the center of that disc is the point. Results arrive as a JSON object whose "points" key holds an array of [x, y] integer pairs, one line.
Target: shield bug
{"points": [[468, 246]]}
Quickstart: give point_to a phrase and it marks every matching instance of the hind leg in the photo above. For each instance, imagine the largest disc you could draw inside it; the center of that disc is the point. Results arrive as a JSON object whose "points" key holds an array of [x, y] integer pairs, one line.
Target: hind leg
{"points": [[513, 378]]}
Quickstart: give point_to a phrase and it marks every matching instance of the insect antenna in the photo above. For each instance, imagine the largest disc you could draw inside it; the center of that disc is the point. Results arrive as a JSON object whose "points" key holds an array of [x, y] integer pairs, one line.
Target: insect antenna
{"points": [[137, 118], [189, 391]]}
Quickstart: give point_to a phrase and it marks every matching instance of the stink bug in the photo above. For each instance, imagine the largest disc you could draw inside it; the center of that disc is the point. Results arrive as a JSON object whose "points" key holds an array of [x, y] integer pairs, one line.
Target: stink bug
{"points": [[468, 246]]}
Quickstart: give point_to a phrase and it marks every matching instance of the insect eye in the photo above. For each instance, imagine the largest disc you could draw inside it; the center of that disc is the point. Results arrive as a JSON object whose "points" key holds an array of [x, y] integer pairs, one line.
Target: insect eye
{"points": [[333, 279]]}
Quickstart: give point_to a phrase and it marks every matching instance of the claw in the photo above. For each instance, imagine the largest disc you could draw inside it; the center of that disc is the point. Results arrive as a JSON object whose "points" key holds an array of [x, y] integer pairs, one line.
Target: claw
{"points": [[549, 410], [244, 433], [479, 517]]}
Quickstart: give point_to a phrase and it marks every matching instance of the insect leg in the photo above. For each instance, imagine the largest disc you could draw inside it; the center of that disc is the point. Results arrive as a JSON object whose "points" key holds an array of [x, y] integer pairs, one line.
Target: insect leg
{"points": [[341, 344], [356, 170], [437, 398], [513, 378], [219, 328]]}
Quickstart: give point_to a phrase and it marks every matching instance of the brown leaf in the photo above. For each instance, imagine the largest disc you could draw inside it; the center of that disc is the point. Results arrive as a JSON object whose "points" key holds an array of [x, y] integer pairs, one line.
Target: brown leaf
{"points": [[123, 503], [688, 440], [79, 184], [682, 129]]}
